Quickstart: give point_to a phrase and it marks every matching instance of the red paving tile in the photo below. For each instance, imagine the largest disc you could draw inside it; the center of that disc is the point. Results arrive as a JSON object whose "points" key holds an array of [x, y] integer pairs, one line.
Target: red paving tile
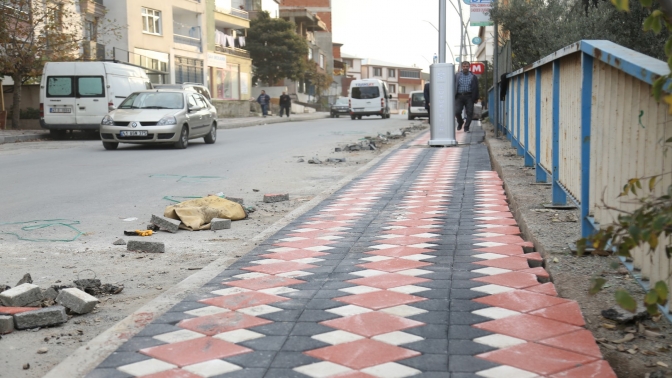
{"points": [[547, 288], [243, 300], [361, 354], [262, 283], [314, 234], [569, 313], [194, 351], [293, 255], [388, 280], [597, 369], [506, 239], [511, 263], [399, 251], [394, 265], [16, 310], [326, 225], [277, 268], [506, 230], [380, 299], [580, 342], [501, 201], [521, 300], [502, 221], [537, 358], [420, 217], [502, 209], [304, 243], [406, 240], [527, 327], [534, 257], [496, 214], [414, 223], [213, 324], [538, 271], [370, 324], [409, 231], [514, 279], [503, 249], [174, 373]]}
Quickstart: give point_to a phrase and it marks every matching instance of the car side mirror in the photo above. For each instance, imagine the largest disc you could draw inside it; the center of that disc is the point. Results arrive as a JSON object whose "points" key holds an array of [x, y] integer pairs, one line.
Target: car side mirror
{"points": [[195, 108], [390, 96]]}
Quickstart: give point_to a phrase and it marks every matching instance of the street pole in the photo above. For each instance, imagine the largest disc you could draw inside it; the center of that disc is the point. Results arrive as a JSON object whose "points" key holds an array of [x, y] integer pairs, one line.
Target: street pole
{"points": [[461, 32], [495, 78], [442, 31]]}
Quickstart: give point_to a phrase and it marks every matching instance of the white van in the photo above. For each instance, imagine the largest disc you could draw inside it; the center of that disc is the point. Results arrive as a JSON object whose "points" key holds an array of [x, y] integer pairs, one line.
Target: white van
{"points": [[369, 97], [416, 105], [77, 95]]}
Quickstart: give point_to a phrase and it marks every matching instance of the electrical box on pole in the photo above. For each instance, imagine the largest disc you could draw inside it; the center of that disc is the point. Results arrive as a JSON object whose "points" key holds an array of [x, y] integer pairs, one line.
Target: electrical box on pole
{"points": [[442, 104]]}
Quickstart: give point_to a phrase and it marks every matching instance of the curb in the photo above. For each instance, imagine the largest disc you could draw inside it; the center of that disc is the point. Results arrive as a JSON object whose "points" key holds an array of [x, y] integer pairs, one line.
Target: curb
{"points": [[21, 138], [266, 121], [90, 355]]}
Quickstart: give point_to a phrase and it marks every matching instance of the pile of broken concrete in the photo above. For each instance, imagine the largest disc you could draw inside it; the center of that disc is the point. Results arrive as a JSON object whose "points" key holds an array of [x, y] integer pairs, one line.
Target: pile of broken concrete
{"points": [[27, 306]]}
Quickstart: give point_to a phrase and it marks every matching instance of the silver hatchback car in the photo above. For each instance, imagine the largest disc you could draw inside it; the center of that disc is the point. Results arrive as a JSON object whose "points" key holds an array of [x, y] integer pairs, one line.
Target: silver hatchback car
{"points": [[160, 116]]}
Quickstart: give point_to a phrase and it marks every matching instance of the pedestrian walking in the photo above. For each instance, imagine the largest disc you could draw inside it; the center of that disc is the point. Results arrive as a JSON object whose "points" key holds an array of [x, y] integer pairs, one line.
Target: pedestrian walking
{"points": [[264, 100], [426, 93], [285, 103], [466, 95]]}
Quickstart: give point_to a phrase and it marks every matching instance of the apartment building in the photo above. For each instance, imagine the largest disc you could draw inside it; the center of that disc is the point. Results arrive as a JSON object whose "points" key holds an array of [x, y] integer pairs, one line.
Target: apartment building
{"points": [[401, 80]]}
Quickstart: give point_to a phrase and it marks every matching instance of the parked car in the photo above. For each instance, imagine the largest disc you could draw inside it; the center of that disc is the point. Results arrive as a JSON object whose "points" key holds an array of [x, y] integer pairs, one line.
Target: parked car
{"points": [[160, 116], [193, 87], [416, 105], [77, 95], [340, 107], [369, 97]]}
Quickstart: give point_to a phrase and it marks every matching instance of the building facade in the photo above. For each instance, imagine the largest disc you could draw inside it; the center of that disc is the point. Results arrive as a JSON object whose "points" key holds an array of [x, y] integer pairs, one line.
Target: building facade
{"points": [[401, 80]]}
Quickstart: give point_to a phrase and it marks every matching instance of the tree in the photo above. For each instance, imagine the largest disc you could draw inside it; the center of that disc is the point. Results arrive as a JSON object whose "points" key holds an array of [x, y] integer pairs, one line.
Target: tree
{"points": [[33, 32], [321, 80], [277, 51]]}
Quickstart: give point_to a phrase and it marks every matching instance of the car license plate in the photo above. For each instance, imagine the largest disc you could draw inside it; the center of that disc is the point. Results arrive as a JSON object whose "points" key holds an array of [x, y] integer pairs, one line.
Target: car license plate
{"points": [[60, 110], [133, 133]]}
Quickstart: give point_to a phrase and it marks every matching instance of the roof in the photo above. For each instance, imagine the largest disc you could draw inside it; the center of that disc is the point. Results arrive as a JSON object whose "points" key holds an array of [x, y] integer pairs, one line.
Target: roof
{"points": [[375, 62], [348, 56]]}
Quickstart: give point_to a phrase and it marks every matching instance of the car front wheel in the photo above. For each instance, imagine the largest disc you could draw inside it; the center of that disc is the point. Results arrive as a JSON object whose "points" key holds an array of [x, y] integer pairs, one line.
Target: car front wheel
{"points": [[211, 138], [110, 145], [183, 142]]}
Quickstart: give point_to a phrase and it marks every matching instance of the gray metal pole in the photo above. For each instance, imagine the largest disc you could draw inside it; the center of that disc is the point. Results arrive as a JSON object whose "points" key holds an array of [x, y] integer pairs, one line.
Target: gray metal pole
{"points": [[442, 31], [461, 34], [495, 78]]}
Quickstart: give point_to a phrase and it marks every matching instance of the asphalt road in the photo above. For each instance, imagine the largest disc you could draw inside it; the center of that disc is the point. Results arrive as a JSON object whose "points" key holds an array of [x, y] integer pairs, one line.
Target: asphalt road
{"points": [[95, 189]]}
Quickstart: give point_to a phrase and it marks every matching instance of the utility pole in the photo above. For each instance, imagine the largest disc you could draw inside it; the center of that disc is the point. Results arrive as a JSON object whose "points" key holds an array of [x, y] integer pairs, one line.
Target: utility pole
{"points": [[442, 31], [461, 32], [495, 77]]}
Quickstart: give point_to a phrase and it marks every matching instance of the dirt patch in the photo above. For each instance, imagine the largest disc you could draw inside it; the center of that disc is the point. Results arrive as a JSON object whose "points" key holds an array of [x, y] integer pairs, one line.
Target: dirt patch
{"points": [[648, 353]]}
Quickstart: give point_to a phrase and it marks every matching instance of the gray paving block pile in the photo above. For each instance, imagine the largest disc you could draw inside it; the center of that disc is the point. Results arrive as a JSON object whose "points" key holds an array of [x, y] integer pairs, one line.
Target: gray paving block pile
{"points": [[6, 324], [76, 300], [45, 317], [166, 224], [21, 296], [145, 246], [220, 224], [270, 198]]}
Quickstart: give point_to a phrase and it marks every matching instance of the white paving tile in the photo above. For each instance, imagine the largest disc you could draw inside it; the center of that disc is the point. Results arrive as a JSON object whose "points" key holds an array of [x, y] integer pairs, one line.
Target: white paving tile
{"points": [[489, 256], [211, 368], [348, 310], [495, 312], [177, 336], [384, 246], [368, 273], [417, 257], [390, 236], [146, 367], [205, 311], [337, 337], [281, 249], [247, 276], [414, 272], [499, 341], [229, 291], [397, 338], [301, 230], [360, 289], [278, 290], [394, 227], [505, 371], [259, 310], [409, 289], [339, 228], [267, 261], [293, 239], [238, 336], [490, 271], [488, 234], [489, 244], [485, 211], [492, 289], [426, 235], [308, 260], [404, 311], [294, 274], [423, 245], [391, 370], [322, 369], [319, 248], [377, 258], [329, 237]]}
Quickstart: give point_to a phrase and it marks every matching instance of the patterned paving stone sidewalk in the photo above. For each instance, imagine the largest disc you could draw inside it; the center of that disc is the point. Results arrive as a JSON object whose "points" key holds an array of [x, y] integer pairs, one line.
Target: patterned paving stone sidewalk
{"points": [[416, 269]]}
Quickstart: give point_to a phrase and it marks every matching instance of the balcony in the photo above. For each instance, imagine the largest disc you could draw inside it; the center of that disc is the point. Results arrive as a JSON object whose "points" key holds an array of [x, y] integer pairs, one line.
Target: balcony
{"points": [[92, 7], [186, 30], [228, 13], [235, 51], [93, 51]]}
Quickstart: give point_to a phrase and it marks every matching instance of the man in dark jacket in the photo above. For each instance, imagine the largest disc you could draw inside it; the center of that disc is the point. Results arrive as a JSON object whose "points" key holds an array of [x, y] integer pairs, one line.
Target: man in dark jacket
{"points": [[466, 95], [426, 93], [285, 103], [264, 100]]}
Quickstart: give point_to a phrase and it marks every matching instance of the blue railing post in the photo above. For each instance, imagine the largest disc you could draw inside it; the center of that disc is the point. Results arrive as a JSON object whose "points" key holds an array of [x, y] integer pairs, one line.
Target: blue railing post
{"points": [[528, 158], [586, 105], [519, 138], [559, 195], [540, 173], [510, 125]]}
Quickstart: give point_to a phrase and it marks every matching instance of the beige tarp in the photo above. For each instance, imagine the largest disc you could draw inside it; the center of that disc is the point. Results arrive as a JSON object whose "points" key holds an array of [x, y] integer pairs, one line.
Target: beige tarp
{"points": [[196, 214]]}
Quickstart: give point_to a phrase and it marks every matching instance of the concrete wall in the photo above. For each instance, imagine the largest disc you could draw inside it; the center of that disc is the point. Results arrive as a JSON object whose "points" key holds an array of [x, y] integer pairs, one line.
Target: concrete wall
{"points": [[273, 92], [30, 97], [232, 108]]}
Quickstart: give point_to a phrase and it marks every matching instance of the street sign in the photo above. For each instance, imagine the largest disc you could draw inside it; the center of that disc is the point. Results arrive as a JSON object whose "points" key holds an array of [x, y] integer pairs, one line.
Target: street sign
{"points": [[477, 68], [467, 1], [458, 59], [476, 40], [480, 12]]}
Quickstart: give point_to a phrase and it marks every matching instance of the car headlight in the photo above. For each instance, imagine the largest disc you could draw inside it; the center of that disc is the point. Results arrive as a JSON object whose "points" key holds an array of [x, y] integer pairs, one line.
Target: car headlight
{"points": [[167, 120], [107, 120]]}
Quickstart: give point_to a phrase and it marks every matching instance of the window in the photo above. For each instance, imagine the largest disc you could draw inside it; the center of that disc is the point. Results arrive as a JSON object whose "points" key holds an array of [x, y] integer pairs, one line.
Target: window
{"points": [[59, 86], [391, 72], [56, 14], [362, 93], [409, 74], [310, 54], [348, 62], [90, 86], [321, 60], [90, 30], [393, 88], [402, 89], [418, 99], [151, 21], [188, 70], [153, 100], [377, 71]]}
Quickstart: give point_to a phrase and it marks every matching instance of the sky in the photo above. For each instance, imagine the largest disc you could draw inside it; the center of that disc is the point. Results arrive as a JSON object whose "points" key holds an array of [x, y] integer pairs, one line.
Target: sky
{"points": [[396, 31]]}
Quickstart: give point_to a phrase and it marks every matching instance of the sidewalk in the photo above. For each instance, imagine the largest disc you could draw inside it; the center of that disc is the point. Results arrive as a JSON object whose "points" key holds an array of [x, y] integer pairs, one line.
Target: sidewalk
{"points": [[416, 269], [11, 136]]}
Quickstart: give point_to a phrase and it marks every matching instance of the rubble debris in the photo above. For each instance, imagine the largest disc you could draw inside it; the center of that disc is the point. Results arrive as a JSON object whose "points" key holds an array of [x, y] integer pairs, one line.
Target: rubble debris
{"points": [[42, 350], [270, 198], [21, 296], [26, 279], [44, 317], [300, 160], [255, 190], [50, 293], [250, 209], [26, 366], [146, 246], [236, 199], [315, 160], [4, 287], [337, 149], [120, 242], [152, 227], [166, 224], [6, 324], [220, 224], [336, 160], [94, 287], [620, 315], [77, 301]]}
